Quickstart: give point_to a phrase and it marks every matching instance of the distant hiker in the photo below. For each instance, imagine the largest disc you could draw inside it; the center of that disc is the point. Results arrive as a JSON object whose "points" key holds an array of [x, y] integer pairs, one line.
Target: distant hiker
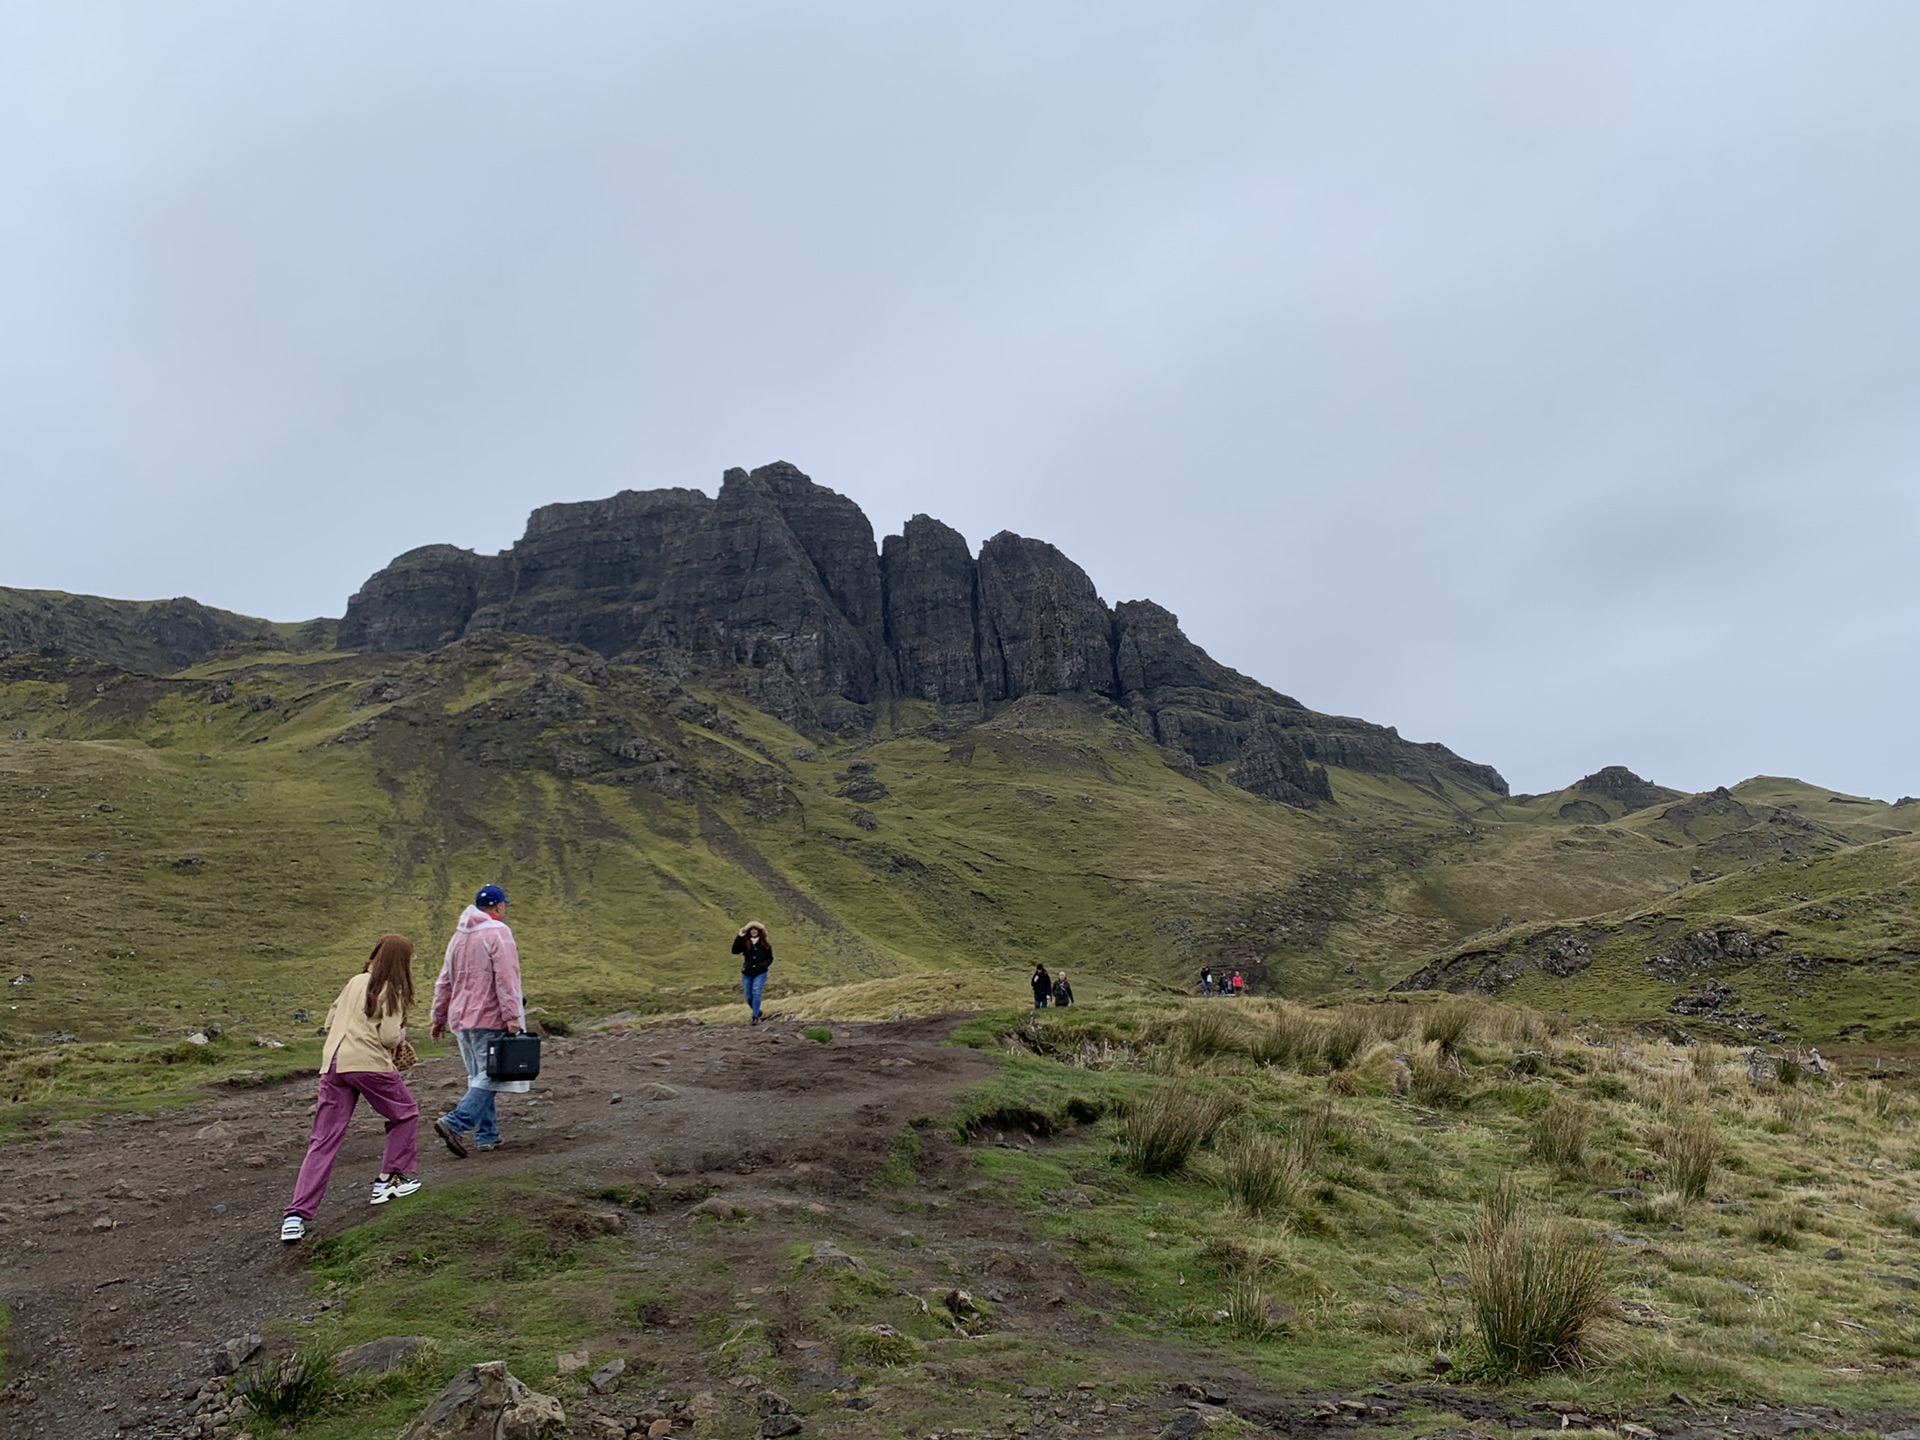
{"points": [[478, 998], [1239, 984], [755, 956], [1042, 987], [1206, 980], [1062, 991], [365, 1029]]}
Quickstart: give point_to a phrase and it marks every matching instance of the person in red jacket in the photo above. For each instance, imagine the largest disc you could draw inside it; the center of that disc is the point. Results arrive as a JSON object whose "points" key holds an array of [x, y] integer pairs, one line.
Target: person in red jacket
{"points": [[478, 998]]}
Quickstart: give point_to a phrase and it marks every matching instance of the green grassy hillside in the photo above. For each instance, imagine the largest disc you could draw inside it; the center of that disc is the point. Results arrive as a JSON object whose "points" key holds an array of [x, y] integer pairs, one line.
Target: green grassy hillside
{"points": [[221, 847]]}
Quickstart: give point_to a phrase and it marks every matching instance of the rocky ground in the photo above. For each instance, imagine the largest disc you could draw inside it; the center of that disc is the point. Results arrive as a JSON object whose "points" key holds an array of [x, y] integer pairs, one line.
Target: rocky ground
{"points": [[139, 1251]]}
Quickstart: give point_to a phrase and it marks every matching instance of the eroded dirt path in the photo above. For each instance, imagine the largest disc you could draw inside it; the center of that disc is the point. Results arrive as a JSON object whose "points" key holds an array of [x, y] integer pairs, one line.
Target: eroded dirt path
{"points": [[135, 1248]]}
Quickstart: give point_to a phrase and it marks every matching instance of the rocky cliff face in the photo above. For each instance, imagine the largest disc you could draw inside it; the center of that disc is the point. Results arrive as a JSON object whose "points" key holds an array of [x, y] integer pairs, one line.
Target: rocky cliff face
{"points": [[152, 637], [779, 579]]}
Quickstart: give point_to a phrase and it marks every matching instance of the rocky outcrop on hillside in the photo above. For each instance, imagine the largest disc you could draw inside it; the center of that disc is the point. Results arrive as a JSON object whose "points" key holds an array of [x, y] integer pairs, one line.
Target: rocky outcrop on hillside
{"points": [[1625, 790], [779, 582], [150, 637]]}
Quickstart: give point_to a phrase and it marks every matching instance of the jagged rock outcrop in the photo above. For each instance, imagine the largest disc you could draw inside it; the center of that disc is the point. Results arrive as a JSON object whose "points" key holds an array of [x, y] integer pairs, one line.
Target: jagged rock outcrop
{"points": [[423, 600], [778, 583], [1626, 791], [1272, 765]]}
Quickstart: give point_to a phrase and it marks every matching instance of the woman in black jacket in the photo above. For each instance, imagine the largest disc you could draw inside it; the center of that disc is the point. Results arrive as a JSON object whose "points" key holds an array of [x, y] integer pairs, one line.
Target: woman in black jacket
{"points": [[755, 956], [1042, 987]]}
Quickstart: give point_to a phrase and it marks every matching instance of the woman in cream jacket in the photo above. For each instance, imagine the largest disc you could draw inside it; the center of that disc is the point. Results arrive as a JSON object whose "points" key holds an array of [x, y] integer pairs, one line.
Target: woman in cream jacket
{"points": [[364, 1028]]}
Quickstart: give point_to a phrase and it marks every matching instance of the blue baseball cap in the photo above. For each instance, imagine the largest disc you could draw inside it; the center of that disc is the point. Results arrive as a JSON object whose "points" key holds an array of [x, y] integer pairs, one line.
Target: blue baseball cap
{"points": [[490, 895]]}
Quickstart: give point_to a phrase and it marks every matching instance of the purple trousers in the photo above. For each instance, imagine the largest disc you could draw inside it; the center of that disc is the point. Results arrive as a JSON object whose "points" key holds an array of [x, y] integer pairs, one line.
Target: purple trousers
{"points": [[387, 1093]]}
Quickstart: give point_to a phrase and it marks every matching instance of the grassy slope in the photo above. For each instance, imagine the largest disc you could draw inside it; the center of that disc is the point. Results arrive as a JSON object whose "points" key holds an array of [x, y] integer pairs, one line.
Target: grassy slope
{"points": [[272, 814], [1730, 1296]]}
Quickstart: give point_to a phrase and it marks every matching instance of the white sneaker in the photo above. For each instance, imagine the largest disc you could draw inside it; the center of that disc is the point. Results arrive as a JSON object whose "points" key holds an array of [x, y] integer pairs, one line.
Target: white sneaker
{"points": [[293, 1229], [393, 1185]]}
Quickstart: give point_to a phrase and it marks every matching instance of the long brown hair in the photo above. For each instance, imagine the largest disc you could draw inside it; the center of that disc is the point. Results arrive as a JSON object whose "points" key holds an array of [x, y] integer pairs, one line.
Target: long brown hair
{"points": [[391, 966]]}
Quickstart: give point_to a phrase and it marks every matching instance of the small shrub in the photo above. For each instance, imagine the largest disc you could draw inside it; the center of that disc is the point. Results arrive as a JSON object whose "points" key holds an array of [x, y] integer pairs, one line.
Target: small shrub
{"points": [[1161, 1131], [1536, 1289], [1558, 1136], [1263, 1173], [1691, 1148], [287, 1390], [819, 1034]]}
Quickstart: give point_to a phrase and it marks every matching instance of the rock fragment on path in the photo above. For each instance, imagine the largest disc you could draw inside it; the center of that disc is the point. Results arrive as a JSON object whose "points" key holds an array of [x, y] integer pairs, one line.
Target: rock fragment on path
{"points": [[829, 1256], [484, 1402], [229, 1355], [380, 1357], [606, 1379]]}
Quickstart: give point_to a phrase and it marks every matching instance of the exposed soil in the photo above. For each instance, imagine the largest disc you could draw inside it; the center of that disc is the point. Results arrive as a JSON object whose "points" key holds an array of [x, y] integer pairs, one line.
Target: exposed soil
{"points": [[134, 1247]]}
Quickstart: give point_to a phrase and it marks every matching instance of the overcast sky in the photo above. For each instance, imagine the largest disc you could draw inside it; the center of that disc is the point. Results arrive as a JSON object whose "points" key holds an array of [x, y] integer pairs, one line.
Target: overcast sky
{"points": [[1541, 379]]}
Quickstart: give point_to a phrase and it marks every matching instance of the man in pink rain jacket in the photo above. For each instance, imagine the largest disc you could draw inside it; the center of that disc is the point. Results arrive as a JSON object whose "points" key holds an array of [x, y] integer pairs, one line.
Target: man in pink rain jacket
{"points": [[478, 998]]}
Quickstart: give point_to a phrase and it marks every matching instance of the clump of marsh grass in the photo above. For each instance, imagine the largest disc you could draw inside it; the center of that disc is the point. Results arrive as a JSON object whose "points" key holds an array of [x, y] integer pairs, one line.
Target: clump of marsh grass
{"points": [[1207, 1033], [1435, 1079], [1264, 1174], [1249, 1308], [1288, 1037], [1161, 1131], [1346, 1033], [1691, 1148], [1558, 1136], [1448, 1025], [1707, 1058], [1536, 1289]]}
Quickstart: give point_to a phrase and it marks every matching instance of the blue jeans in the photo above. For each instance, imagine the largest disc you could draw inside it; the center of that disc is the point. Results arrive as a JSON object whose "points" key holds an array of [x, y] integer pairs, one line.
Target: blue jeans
{"points": [[755, 986], [475, 1113]]}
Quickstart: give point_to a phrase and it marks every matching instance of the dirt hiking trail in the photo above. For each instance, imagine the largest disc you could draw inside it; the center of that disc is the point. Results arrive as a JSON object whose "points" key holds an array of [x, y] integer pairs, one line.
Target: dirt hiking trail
{"points": [[135, 1247]]}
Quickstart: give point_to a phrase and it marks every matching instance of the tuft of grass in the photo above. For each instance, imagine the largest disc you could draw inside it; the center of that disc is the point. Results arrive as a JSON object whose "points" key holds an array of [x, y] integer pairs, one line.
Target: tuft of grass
{"points": [[1447, 1025], [1161, 1131], [1780, 1227], [1437, 1081], [1208, 1033], [819, 1034], [898, 1172], [1691, 1148], [880, 1347], [1536, 1289], [288, 1389], [1263, 1173], [1558, 1135], [1249, 1307]]}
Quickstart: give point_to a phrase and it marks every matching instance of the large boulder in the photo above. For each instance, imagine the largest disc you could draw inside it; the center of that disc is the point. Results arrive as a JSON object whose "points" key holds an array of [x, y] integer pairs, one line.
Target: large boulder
{"points": [[484, 1402]]}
